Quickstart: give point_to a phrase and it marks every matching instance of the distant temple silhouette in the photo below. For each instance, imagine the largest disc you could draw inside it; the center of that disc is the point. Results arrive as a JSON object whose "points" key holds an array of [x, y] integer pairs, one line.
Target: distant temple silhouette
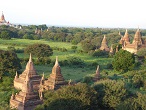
{"points": [[133, 47], [136, 44], [7, 23], [104, 45], [3, 20]]}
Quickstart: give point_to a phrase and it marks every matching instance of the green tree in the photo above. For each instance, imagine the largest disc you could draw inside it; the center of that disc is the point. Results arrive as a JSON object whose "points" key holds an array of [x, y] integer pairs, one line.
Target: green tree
{"points": [[9, 63], [77, 97], [87, 45], [110, 93], [142, 52], [27, 36], [6, 90], [123, 61], [39, 50], [133, 103], [5, 35]]}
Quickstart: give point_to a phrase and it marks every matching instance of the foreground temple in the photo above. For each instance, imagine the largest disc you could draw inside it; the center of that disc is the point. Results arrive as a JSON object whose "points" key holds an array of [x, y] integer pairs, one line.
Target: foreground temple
{"points": [[27, 98], [137, 43], [56, 80], [30, 70], [104, 45]]}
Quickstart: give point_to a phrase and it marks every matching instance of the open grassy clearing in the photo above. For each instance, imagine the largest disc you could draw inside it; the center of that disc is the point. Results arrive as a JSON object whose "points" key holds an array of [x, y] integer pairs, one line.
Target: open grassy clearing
{"points": [[73, 73], [21, 43]]}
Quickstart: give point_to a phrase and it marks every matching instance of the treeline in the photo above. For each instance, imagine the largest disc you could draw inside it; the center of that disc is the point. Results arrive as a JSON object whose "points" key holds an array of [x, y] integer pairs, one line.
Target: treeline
{"points": [[89, 38], [66, 34]]}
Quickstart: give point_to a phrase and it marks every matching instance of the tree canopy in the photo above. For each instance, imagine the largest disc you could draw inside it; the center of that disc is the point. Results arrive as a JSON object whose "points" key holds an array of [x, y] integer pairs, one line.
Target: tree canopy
{"points": [[78, 97], [142, 52], [87, 45], [111, 93], [123, 61], [9, 63], [39, 50]]}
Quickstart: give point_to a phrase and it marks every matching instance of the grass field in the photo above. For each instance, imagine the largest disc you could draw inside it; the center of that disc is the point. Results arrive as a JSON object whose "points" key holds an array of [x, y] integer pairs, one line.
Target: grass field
{"points": [[21, 43], [74, 73]]}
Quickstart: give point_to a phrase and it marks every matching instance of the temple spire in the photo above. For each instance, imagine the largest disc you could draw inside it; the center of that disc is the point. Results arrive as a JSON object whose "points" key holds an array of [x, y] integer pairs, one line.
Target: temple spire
{"points": [[126, 37], [97, 74], [117, 48], [30, 58], [56, 63], [16, 76], [42, 77], [137, 38], [97, 70], [2, 19], [30, 65], [111, 49]]}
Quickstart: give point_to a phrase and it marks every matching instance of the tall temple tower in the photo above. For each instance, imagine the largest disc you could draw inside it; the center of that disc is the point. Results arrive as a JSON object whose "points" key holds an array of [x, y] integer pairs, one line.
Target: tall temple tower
{"points": [[137, 38], [27, 98], [2, 19], [56, 79], [125, 38], [104, 44], [30, 70]]}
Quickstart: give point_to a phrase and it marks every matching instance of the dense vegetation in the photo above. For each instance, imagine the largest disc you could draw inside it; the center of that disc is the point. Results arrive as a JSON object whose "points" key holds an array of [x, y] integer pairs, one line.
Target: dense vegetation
{"points": [[39, 50], [123, 75], [9, 63], [123, 61]]}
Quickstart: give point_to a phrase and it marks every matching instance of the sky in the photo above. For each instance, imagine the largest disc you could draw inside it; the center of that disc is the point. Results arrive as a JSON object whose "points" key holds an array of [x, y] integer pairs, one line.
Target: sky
{"points": [[76, 13]]}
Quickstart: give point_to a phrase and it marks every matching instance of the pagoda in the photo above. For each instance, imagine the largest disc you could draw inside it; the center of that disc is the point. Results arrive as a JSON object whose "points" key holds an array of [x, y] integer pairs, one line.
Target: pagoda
{"points": [[136, 44], [97, 75], [125, 38], [27, 98], [104, 45], [2, 19], [56, 80], [137, 38], [30, 70]]}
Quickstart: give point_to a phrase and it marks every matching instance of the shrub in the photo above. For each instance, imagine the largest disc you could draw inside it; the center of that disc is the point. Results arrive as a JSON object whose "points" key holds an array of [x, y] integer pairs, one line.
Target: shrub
{"points": [[138, 81], [42, 61], [75, 61], [100, 53], [74, 47], [87, 79]]}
